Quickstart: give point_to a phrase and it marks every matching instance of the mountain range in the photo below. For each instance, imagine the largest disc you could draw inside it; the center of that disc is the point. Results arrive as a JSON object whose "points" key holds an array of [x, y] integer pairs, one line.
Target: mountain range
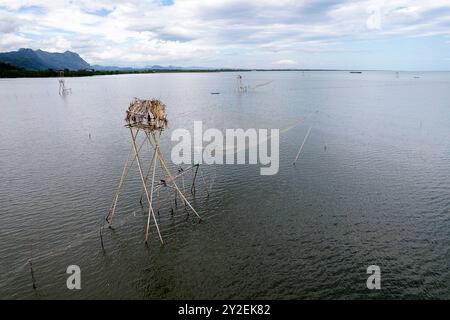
{"points": [[42, 60]]}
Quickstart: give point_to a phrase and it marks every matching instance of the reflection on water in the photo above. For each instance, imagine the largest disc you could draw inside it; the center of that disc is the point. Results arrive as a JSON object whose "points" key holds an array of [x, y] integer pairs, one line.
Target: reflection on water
{"points": [[372, 186]]}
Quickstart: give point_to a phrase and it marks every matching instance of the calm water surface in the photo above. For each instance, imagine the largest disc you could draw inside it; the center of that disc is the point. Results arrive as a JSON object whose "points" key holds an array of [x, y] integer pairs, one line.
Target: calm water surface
{"points": [[372, 186]]}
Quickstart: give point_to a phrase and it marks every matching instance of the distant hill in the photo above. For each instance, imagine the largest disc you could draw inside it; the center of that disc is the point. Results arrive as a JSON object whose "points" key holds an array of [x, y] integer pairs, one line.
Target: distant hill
{"points": [[158, 67], [111, 68], [39, 60], [153, 67], [42, 60]]}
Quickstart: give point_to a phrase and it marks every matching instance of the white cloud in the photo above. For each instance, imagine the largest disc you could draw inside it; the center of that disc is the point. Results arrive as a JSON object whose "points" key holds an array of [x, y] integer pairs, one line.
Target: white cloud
{"points": [[286, 62], [11, 41]]}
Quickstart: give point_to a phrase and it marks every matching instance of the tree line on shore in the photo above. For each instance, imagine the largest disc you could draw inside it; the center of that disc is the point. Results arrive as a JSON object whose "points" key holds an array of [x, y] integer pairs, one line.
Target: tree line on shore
{"points": [[9, 71]]}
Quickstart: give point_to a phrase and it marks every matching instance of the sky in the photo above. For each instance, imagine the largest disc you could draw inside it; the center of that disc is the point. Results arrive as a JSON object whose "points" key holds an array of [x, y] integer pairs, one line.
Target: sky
{"points": [[347, 34]]}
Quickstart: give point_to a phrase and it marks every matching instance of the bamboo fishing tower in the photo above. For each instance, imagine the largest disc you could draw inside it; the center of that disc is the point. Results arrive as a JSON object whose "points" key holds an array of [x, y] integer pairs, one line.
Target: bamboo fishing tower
{"points": [[148, 119], [240, 85], [63, 90]]}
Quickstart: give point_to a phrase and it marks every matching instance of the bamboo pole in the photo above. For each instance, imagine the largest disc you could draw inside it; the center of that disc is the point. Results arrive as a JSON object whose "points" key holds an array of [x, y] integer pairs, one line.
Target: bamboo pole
{"points": [[125, 171], [32, 274], [161, 185], [101, 238], [175, 198], [151, 195], [159, 202], [182, 183], [147, 175], [301, 147], [193, 179], [143, 181], [150, 168], [175, 185], [119, 186], [163, 165]]}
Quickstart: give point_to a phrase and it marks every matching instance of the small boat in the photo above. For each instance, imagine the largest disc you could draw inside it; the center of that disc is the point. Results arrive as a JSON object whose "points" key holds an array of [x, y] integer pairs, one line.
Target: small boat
{"points": [[215, 92], [355, 72]]}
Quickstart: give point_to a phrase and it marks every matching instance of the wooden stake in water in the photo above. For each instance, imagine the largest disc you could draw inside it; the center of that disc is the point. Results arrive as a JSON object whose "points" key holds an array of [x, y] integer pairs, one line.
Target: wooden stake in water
{"points": [[32, 274], [101, 238], [301, 147], [193, 179]]}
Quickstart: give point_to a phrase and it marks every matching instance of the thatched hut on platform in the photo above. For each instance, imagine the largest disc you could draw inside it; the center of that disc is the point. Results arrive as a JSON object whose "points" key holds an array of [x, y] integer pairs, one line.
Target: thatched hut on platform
{"points": [[148, 114]]}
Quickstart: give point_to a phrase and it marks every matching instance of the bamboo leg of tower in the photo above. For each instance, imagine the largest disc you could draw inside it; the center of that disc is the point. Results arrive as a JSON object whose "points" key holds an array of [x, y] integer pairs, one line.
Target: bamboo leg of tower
{"points": [[147, 175], [150, 168], [125, 171], [119, 186], [133, 137], [159, 202], [151, 195]]}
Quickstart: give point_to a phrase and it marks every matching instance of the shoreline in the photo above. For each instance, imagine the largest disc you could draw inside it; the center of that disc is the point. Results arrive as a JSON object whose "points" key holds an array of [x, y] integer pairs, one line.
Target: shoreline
{"points": [[15, 73]]}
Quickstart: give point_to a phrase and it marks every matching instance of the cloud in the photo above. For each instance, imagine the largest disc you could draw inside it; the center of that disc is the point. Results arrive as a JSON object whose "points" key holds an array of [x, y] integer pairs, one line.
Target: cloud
{"points": [[286, 62], [8, 24], [233, 33], [10, 40]]}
